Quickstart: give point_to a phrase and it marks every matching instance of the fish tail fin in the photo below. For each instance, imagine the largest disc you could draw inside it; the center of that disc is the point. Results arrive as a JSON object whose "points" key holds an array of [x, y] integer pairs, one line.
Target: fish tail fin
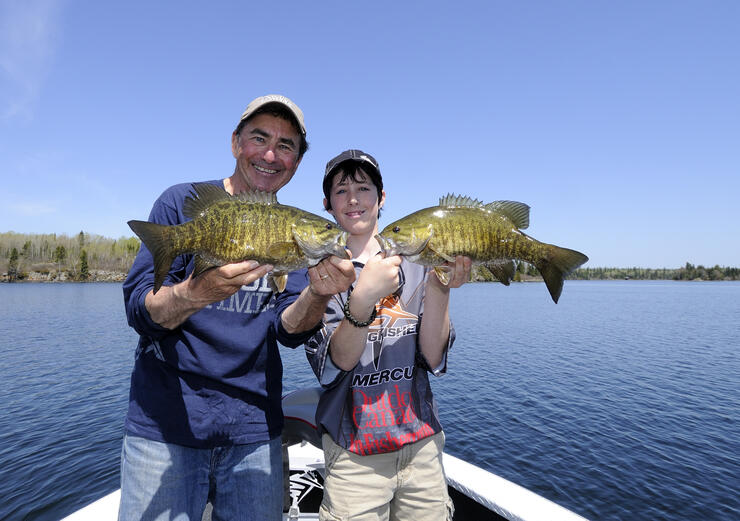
{"points": [[556, 266], [158, 239]]}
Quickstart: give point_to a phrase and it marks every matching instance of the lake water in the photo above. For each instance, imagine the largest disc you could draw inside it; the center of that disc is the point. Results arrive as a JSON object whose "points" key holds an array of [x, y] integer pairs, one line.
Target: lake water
{"points": [[620, 402]]}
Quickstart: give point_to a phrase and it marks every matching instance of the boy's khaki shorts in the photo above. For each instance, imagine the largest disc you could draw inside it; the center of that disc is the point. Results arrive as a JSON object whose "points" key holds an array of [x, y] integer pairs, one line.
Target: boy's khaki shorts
{"points": [[405, 485]]}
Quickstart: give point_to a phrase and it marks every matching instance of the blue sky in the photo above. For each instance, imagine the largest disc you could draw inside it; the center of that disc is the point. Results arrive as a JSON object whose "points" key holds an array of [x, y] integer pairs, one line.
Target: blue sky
{"points": [[617, 122]]}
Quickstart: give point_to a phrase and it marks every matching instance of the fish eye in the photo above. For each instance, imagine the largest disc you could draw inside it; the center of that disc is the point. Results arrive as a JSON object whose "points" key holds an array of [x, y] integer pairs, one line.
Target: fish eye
{"points": [[329, 226], [396, 229]]}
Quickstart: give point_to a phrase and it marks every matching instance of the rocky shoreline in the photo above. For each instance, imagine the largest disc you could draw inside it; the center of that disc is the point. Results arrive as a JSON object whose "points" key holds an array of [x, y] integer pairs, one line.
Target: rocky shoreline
{"points": [[63, 276]]}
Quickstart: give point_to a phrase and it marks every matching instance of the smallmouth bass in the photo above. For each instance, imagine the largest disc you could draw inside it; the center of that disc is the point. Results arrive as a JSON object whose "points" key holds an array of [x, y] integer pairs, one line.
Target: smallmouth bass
{"points": [[228, 228], [490, 234]]}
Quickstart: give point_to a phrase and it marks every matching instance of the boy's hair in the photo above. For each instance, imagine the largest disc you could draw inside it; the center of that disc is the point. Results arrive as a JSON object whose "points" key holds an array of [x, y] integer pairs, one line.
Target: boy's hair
{"points": [[352, 163]]}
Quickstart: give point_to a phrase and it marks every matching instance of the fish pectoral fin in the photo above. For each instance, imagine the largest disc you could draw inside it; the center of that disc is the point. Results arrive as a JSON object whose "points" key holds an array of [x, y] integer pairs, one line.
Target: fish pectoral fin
{"points": [[201, 265], [277, 281], [443, 274], [503, 270], [441, 255], [280, 250]]}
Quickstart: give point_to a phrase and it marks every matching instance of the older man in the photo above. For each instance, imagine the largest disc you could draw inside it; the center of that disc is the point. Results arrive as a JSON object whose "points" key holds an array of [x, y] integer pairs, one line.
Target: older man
{"points": [[204, 418]]}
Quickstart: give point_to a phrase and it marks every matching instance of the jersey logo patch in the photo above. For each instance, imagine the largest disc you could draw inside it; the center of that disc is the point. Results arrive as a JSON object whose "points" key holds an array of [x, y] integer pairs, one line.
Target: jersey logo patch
{"points": [[392, 321]]}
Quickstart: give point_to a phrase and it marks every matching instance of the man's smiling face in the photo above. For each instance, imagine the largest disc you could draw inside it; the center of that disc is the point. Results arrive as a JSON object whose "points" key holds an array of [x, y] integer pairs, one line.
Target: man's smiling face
{"points": [[266, 152]]}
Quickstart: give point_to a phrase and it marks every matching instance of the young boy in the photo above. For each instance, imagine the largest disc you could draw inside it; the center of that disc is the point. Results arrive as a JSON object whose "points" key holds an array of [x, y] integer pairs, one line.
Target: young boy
{"points": [[381, 433]]}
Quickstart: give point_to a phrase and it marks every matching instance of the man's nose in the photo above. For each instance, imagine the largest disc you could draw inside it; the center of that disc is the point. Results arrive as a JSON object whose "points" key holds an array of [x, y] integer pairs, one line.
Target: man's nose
{"points": [[269, 155]]}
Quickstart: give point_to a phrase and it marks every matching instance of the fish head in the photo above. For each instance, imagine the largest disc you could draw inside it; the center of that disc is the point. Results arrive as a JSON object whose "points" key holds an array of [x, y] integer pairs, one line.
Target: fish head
{"points": [[406, 237], [318, 238]]}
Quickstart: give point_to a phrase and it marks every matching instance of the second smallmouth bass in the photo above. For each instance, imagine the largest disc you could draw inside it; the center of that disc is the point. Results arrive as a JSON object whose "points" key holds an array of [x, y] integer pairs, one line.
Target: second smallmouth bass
{"points": [[490, 234], [248, 226]]}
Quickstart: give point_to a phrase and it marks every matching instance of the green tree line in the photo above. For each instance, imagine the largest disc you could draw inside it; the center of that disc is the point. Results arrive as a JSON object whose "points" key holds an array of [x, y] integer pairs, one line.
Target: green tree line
{"points": [[526, 271], [687, 272], [64, 257]]}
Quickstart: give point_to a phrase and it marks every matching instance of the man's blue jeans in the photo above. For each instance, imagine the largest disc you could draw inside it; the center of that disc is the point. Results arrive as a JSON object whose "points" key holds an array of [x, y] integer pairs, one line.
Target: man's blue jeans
{"points": [[166, 482]]}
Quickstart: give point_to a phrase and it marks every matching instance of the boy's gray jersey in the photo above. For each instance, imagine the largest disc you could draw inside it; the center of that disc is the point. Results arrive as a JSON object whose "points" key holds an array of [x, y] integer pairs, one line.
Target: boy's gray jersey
{"points": [[385, 402]]}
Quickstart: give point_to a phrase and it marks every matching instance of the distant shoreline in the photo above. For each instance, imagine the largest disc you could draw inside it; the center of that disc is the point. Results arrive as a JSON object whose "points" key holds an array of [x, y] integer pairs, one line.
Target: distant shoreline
{"points": [[60, 277], [119, 277]]}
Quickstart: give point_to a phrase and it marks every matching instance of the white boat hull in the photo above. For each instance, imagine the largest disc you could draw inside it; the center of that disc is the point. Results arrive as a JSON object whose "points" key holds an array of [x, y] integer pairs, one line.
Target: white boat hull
{"points": [[478, 494]]}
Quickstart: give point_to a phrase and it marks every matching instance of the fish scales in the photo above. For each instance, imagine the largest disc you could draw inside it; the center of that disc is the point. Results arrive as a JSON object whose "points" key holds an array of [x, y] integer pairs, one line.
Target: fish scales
{"points": [[476, 234], [256, 229], [207, 235]]}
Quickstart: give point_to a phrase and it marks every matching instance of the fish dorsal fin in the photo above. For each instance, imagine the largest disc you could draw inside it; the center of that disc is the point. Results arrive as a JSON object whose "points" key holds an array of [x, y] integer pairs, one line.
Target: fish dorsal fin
{"points": [[258, 197], [452, 200], [205, 194], [518, 213]]}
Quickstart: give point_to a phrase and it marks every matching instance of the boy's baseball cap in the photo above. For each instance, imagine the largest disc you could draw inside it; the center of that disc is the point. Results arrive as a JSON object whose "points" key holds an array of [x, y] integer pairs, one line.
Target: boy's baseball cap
{"points": [[275, 98], [368, 162]]}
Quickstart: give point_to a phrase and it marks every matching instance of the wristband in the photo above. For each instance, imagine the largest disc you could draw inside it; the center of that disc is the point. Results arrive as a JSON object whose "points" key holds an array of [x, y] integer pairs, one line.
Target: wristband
{"points": [[353, 320]]}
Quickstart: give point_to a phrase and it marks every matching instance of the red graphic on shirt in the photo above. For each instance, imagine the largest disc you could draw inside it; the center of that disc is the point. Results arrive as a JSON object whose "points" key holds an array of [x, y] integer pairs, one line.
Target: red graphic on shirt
{"points": [[385, 417], [376, 417]]}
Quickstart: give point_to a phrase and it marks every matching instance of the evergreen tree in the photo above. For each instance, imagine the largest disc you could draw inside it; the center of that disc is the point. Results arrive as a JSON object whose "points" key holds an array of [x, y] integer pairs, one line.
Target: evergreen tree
{"points": [[84, 269], [13, 265]]}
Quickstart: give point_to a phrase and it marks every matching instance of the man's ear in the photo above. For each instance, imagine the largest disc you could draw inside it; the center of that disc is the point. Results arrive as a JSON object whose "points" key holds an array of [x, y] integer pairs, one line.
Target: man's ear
{"points": [[234, 144], [382, 199]]}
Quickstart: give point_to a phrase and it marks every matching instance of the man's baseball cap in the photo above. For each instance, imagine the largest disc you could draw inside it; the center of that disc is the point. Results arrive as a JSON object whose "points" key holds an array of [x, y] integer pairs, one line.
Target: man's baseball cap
{"points": [[260, 102], [368, 163]]}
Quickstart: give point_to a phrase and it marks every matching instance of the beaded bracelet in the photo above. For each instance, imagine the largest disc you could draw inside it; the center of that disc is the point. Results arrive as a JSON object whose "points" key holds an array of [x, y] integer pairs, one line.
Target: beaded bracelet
{"points": [[353, 320]]}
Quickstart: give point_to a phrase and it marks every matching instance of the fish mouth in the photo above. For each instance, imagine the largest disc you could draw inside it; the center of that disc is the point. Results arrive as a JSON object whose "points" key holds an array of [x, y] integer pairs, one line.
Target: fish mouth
{"points": [[340, 247], [387, 246]]}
